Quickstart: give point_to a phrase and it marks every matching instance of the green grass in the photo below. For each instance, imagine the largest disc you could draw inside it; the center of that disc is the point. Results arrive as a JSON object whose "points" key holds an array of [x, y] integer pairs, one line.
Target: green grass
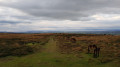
{"points": [[50, 57]]}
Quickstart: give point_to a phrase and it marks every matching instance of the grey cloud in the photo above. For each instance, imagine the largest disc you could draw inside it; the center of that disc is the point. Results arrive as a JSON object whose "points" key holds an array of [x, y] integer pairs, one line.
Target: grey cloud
{"points": [[65, 9], [9, 22], [12, 22]]}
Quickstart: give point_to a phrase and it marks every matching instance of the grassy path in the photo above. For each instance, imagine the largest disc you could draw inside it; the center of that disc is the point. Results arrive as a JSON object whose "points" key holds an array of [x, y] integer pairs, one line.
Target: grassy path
{"points": [[50, 47], [49, 57]]}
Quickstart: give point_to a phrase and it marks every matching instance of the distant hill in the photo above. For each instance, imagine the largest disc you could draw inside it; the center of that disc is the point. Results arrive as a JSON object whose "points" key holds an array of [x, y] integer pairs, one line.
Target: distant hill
{"points": [[115, 32]]}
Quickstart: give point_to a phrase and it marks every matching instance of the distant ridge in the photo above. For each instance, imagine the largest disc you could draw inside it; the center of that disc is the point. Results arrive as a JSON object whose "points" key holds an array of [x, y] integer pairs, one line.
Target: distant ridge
{"points": [[113, 32]]}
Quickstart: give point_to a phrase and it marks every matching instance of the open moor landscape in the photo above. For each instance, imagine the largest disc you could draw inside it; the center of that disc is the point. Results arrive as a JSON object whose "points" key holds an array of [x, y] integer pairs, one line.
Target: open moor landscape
{"points": [[59, 50]]}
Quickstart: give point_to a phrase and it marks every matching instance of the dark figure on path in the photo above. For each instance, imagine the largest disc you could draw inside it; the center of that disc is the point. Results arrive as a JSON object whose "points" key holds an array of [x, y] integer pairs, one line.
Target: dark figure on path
{"points": [[96, 50]]}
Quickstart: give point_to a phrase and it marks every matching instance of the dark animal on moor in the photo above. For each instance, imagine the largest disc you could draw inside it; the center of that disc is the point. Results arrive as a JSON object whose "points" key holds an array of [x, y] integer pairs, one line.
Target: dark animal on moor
{"points": [[73, 40], [96, 50]]}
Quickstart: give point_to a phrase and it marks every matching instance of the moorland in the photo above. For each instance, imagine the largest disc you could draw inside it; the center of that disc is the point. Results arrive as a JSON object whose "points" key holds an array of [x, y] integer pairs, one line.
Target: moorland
{"points": [[58, 50]]}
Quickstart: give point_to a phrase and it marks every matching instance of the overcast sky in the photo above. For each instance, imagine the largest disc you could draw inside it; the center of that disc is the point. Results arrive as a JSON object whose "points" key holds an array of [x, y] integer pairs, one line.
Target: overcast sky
{"points": [[66, 15]]}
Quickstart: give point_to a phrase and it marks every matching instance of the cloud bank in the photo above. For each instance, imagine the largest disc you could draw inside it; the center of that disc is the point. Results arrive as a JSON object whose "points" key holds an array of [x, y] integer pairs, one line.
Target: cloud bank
{"points": [[59, 15]]}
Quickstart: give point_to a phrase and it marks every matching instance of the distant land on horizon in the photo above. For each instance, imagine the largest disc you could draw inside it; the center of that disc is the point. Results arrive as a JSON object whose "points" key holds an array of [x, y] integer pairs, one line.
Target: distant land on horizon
{"points": [[112, 32]]}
